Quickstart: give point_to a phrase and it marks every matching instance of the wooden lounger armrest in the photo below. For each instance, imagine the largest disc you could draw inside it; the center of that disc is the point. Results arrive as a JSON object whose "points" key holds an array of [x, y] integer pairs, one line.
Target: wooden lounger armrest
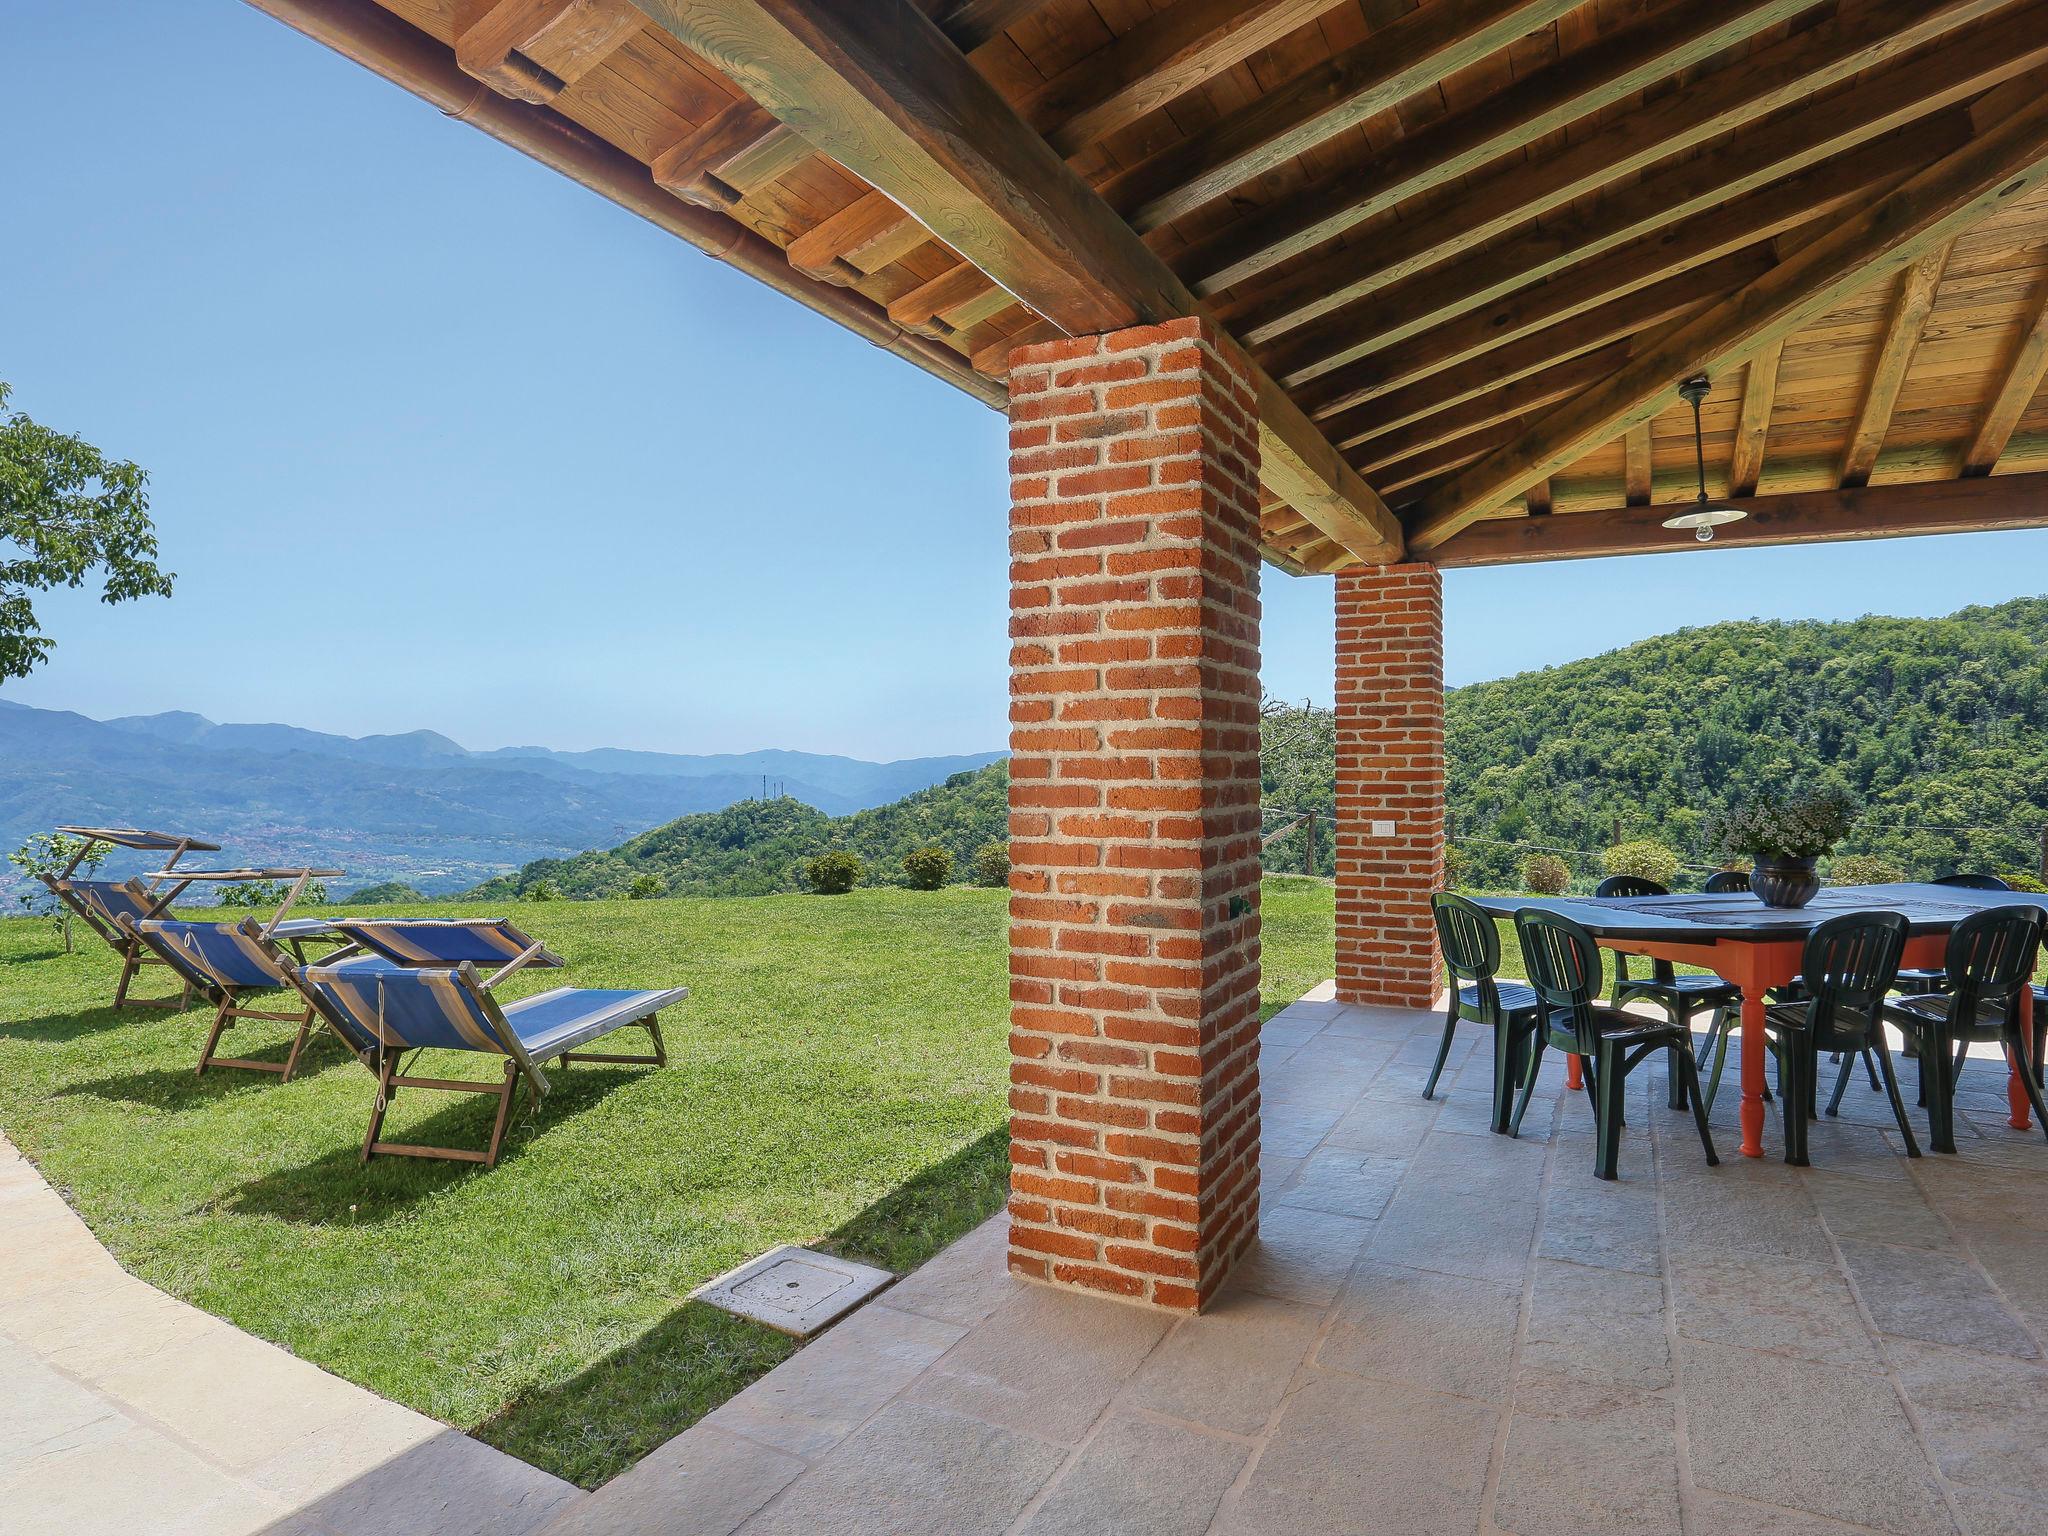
{"points": [[526, 956]]}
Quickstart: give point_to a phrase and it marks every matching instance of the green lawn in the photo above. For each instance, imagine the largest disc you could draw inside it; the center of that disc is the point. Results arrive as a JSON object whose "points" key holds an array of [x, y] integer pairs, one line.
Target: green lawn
{"points": [[837, 1075]]}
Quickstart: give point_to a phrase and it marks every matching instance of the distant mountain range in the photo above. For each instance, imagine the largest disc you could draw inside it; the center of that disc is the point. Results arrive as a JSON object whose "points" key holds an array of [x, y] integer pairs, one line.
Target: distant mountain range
{"points": [[416, 807]]}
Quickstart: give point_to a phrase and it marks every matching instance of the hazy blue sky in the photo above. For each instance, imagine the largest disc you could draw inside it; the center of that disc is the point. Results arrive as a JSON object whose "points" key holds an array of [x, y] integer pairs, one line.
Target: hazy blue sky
{"points": [[438, 438]]}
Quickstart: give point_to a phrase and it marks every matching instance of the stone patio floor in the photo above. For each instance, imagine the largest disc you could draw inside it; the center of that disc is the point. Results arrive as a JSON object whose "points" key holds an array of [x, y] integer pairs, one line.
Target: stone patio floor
{"points": [[1441, 1331], [1446, 1331], [126, 1412]]}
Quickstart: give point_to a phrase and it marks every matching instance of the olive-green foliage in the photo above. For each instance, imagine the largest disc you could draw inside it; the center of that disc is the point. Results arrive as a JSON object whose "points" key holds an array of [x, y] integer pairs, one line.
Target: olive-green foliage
{"points": [[2019, 880], [927, 867], [1863, 869], [992, 864], [1644, 858], [268, 893], [386, 893], [645, 887], [541, 890], [1545, 874], [760, 847], [834, 873]]}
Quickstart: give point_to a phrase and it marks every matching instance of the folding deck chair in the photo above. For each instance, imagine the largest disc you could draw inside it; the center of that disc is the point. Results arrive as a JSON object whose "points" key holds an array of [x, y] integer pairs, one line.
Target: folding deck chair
{"points": [[409, 941], [101, 904], [229, 965], [389, 1011]]}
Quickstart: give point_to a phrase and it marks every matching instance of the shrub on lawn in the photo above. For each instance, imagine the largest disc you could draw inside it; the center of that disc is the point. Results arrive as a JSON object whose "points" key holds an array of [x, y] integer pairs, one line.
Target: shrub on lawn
{"points": [[541, 890], [1545, 875], [387, 893], [992, 864], [646, 886], [927, 867], [834, 873], [1863, 869], [1645, 859]]}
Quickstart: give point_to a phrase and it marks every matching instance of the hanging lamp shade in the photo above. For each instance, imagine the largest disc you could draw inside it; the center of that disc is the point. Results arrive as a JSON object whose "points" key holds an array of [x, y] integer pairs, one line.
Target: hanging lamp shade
{"points": [[1704, 517]]}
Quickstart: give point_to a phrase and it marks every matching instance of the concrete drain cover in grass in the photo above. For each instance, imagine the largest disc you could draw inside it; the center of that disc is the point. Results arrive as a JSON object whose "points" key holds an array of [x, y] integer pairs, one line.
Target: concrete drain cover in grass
{"points": [[795, 1290]]}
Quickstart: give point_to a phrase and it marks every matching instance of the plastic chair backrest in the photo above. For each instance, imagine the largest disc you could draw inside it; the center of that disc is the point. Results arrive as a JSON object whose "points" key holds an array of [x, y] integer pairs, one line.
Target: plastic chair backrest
{"points": [[1849, 964], [1564, 969], [1629, 885]]}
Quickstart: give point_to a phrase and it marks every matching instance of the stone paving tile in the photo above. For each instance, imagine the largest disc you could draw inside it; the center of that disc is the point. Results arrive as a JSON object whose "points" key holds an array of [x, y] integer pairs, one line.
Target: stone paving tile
{"points": [[1006, 1373], [1138, 1477], [1984, 1418], [821, 1394], [1754, 1203], [1861, 1210], [2016, 1259], [1228, 1367], [702, 1483], [1351, 1457], [1759, 1302], [1345, 1183], [1582, 1461], [1975, 1193], [1301, 1254], [1856, 1150], [953, 1285], [1598, 1326], [1392, 1130], [1438, 1332], [1456, 1233], [1607, 1226], [1714, 1514], [1288, 1130], [914, 1470], [1999, 1514], [449, 1485], [116, 1478], [1811, 1437], [1938, 1297]]}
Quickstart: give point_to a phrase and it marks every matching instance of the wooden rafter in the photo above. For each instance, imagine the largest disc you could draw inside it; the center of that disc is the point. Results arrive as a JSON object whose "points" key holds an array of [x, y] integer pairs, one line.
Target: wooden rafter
{"points": [[1635, 478], [715, 165], [1404, 345], [504, 42], [1673, 39], [1759, 396], [876, 86], [2007, 158], [855, 241], [2023, 374], [1412, 52], [1787, 74], [1910, 308], [1871, 512], [970, 23]]}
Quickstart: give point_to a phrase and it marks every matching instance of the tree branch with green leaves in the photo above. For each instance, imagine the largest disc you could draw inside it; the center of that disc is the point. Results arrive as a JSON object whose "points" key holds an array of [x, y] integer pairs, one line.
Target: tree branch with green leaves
{"points": [[67, 512]]}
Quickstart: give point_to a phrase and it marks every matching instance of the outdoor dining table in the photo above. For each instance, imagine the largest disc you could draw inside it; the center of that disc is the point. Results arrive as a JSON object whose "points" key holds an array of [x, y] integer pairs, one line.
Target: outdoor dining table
{"points": [[1756, 947]]}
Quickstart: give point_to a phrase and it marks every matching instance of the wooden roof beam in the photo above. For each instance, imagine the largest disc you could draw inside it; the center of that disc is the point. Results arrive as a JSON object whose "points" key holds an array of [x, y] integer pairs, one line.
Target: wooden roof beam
{"points": [[2023, 375], [1910, 308], [970, 23], [1759, 395], [1808, 517], [716, 164], [1675, 38], [497, 42], [2007, 158], [1580, 289], [876, 86], [1436, 39], [1784, 75], [1635, 475]]}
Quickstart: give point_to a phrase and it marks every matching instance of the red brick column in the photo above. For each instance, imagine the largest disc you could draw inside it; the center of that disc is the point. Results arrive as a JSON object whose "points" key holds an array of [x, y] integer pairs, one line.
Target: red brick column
{"points": [[1134, 792], [1390, 782]]}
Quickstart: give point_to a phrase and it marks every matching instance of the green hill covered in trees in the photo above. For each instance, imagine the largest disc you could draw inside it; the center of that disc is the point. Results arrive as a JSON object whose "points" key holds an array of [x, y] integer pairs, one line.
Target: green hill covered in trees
{"points": [[1938, 727], [759, 847]]}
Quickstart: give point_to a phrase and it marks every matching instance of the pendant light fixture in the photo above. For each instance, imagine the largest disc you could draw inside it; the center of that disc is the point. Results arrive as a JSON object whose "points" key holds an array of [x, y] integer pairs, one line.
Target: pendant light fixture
{"points": [[1704, 518]]}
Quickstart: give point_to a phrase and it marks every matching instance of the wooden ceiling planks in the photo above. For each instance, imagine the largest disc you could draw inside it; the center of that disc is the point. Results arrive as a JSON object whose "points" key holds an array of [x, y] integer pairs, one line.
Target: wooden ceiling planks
{"points": [[1443, 223]]}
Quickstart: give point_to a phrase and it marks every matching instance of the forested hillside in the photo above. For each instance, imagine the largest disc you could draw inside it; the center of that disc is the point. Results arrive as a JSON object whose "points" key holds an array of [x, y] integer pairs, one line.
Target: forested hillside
{"points": [[758, 847], [1938, 726]]}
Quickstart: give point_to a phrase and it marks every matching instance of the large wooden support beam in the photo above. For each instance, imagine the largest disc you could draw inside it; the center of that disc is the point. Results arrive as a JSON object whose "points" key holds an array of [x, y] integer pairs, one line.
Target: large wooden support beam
{"points": [[1910, 308], [1668, 43], [1759, 398], [2005, 161], [1809, 517], [533, 50], [876, 86], [1788, 74], [2023, 375], [970, 23], [1409, 54]]}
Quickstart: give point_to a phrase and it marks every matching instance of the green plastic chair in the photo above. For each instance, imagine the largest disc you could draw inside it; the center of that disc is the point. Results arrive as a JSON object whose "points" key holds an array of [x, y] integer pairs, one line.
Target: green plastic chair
{"points": [[1471, 946]]}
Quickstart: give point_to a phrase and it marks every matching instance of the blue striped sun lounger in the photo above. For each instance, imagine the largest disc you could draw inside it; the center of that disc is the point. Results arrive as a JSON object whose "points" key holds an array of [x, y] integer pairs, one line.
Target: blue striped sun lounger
{"points": [[106, 906], [229, 965], [481, 941], [391, 1010]]}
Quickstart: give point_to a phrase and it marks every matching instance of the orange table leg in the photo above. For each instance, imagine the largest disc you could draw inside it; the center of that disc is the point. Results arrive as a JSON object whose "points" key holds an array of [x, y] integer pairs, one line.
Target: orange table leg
{"points": [[1572, 1078], [1755, 1048], [2015, 1090]]}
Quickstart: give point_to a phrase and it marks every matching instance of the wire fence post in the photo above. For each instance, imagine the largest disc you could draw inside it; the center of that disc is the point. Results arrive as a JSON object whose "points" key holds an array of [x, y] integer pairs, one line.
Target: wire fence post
{"points": [[2044, 855], [1308, 843]]}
